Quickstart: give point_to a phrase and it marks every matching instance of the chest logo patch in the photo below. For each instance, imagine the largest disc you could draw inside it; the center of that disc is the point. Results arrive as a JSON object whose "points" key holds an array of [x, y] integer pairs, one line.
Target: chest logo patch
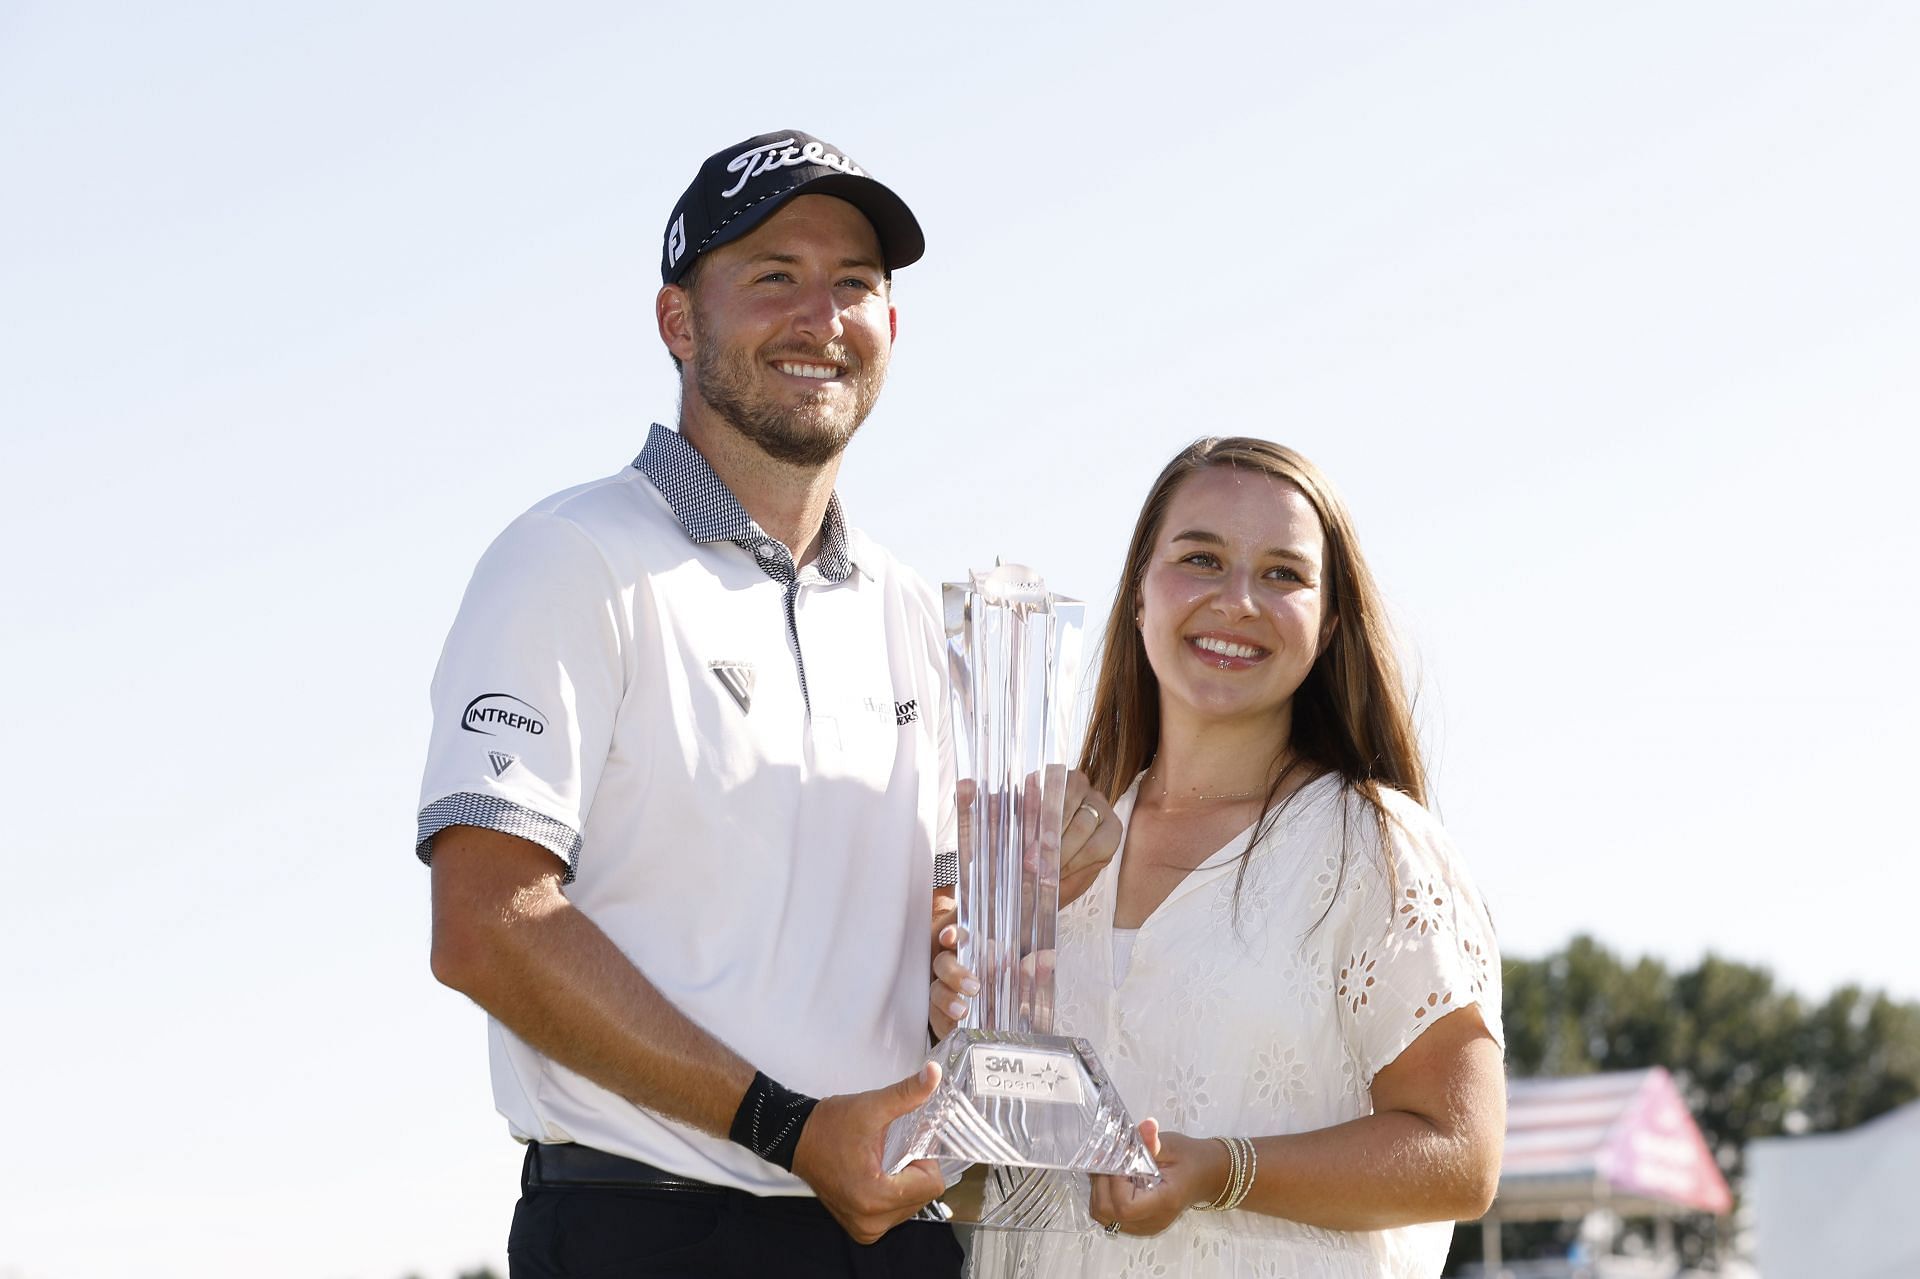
{"points": [[904, 713], [737, 679]]}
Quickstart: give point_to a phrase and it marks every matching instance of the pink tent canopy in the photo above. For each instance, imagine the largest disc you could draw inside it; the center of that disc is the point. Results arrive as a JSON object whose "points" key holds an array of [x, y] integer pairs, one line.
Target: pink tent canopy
{"points": [[1622, 1141]]}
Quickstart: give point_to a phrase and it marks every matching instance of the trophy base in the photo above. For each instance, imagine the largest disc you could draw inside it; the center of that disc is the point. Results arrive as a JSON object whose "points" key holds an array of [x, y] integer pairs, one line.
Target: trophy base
{"points": [[1039, 1111]]}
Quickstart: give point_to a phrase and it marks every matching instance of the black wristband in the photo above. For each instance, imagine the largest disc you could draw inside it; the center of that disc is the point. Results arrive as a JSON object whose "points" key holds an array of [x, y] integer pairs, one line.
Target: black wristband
{"points": [[770, 1119]]}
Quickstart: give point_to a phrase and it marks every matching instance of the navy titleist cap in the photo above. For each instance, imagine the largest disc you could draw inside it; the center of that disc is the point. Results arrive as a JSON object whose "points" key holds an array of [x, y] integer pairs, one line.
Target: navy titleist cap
{"points": [[737, 188]]}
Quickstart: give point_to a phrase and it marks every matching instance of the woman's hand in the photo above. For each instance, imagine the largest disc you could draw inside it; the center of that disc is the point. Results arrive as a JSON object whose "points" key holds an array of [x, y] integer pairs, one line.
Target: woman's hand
{"points": [[952, 985], [1089, 837], [1193, 1170]]}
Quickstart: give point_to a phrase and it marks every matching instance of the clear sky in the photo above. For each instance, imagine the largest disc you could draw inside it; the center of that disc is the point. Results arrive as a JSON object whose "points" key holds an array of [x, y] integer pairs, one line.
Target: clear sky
{"points": [[1604, 316]]}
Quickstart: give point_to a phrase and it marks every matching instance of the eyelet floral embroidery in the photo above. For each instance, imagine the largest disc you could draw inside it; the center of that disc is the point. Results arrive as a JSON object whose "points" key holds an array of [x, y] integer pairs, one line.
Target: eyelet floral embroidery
{"points": [[1208, 1245], [1201, 997], [1186, 1096], [1311, 987], [1356, 981], [1421, 906], [1327, 881], [1279, 1077], [1124, 1048], [1351, 1082], [1477, 965], [1436, 1001], [1069, 1017], [1242, 912], [1145, 1264], [1079, 921]]}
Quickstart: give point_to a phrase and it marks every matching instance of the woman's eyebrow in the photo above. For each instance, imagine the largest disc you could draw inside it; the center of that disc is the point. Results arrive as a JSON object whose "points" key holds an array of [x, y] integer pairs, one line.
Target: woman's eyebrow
{"points": [[1214, 539]]}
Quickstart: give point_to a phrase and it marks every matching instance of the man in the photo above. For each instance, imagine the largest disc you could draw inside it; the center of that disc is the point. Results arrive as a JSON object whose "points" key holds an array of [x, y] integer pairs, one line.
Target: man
{"points": [[689, 775]]}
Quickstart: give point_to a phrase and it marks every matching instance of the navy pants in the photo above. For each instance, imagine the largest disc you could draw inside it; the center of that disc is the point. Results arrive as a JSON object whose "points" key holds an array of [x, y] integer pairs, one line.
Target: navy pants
{"points": [[593, 1233]]}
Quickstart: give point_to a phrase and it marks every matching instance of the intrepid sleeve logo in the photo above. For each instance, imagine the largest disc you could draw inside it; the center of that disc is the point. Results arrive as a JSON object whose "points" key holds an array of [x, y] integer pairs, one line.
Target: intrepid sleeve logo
{"points": [[491, 712]]}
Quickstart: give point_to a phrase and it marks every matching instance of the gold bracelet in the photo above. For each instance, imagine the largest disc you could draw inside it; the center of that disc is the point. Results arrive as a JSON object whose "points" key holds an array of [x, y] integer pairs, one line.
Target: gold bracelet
{"points": [[1225, 1198], [1250, 1166], [1239, 1175]]}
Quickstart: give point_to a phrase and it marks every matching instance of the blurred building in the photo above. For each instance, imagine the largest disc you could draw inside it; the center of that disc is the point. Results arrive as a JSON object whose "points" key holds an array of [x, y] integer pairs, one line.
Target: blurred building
{"points": [[1840, 1205], [1602, 1150]]}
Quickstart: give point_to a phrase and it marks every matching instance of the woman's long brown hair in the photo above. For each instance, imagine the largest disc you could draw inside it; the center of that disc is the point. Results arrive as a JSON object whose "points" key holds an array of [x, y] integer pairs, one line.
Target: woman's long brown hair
{"points": [[1351, 715]]}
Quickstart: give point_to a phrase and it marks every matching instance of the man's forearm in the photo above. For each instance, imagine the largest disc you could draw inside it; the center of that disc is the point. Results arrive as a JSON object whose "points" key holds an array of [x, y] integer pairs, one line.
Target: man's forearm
{"points": [[506, 937]]}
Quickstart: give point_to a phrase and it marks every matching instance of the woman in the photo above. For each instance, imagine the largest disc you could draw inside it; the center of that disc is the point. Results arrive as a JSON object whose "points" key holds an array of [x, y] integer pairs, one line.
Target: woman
{"points": [[1284, 965]]}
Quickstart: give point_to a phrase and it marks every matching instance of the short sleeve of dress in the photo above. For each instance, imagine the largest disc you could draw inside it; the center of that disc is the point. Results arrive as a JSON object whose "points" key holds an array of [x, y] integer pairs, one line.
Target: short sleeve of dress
{"points": [[1409, 951], [526, 692]]}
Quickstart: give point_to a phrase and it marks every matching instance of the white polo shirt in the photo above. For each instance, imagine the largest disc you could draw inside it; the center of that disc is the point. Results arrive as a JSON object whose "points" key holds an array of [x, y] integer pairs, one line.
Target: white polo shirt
{"points": [[744, 766]]}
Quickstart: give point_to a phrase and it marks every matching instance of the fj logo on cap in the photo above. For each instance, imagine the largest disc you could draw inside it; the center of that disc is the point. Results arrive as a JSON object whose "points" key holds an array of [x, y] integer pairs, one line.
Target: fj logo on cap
{"points": [[676, 240], [737, 679]]}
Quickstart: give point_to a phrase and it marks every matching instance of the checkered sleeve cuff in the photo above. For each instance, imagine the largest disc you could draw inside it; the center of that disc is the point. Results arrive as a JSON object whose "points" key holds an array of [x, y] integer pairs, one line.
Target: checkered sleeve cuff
{"points": [[946, 869], [490, 812]]}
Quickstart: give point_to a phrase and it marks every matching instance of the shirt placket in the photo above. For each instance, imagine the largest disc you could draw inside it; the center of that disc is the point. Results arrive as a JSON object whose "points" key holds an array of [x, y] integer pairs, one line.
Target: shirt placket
{"points": [[709, 512], [777, 563]]}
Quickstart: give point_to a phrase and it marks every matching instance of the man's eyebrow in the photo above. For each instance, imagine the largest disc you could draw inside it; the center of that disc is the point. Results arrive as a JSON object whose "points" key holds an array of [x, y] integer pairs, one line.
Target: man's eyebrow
{"points": [[1214, 539], [793, 259]]}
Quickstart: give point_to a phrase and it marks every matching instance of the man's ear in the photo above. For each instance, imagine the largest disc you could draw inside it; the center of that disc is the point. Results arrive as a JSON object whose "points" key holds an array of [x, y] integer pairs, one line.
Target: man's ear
{"points": [[893, 326], [673, 312]]}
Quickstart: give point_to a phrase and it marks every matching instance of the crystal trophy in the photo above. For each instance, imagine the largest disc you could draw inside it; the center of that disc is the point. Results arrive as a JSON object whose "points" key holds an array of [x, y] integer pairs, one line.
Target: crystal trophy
{"points": [[1032, 1108]]}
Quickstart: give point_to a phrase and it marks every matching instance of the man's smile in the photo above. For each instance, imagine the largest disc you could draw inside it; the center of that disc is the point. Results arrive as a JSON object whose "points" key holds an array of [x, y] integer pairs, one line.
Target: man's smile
{"points": [[817, 372]]}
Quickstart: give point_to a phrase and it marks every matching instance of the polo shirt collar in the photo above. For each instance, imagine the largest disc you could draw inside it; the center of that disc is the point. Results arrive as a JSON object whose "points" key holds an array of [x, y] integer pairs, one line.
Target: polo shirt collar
{"points": [[709, 512]]}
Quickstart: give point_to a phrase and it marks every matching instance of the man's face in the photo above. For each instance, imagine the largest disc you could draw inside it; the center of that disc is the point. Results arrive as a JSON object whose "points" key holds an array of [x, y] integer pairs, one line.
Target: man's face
{"points": [[789, 329]]}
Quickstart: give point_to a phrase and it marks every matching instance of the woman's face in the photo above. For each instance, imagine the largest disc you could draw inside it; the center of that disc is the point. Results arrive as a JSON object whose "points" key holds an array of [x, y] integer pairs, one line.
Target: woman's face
{"points": [[1232, 610]]}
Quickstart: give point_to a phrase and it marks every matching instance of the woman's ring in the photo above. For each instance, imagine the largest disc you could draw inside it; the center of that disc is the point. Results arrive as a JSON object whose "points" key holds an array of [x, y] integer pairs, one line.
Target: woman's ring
{"points": [[1113, 1229], [1086, 806]]}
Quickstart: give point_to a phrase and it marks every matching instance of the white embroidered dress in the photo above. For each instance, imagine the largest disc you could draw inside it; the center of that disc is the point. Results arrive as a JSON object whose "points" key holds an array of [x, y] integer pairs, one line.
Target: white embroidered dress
{"points": [[1269, 1020]]}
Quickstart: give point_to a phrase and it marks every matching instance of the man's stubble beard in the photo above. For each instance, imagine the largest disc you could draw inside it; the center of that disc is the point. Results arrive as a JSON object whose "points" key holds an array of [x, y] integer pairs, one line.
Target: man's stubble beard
{"points": [[810, 433]]}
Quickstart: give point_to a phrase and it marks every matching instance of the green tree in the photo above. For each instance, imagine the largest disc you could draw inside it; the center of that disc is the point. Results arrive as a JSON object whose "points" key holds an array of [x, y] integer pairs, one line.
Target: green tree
{"points": [[1862, 1055]]}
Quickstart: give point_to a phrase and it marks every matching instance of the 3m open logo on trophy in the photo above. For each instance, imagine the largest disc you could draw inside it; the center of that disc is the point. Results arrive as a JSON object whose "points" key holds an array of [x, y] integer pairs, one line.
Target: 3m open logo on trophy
{"points": [[1033, 1106]]}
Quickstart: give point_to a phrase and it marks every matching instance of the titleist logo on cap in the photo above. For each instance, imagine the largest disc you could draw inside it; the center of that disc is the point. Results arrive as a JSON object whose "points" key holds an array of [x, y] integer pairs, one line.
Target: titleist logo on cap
{"points": [[784, 155], [739, 187]]}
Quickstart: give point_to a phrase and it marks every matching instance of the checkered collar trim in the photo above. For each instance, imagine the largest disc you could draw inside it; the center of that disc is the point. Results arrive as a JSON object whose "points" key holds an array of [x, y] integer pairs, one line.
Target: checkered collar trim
{"points": [[709, 512]]}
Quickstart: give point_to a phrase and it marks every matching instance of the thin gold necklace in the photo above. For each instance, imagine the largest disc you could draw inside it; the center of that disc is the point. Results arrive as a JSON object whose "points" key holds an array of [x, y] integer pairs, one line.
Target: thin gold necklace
{"points": [[1202, 795]]}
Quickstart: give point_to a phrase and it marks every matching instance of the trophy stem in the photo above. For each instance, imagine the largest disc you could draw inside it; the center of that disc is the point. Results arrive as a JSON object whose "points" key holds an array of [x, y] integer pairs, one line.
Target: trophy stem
{"points": [[1036, 1108]]}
